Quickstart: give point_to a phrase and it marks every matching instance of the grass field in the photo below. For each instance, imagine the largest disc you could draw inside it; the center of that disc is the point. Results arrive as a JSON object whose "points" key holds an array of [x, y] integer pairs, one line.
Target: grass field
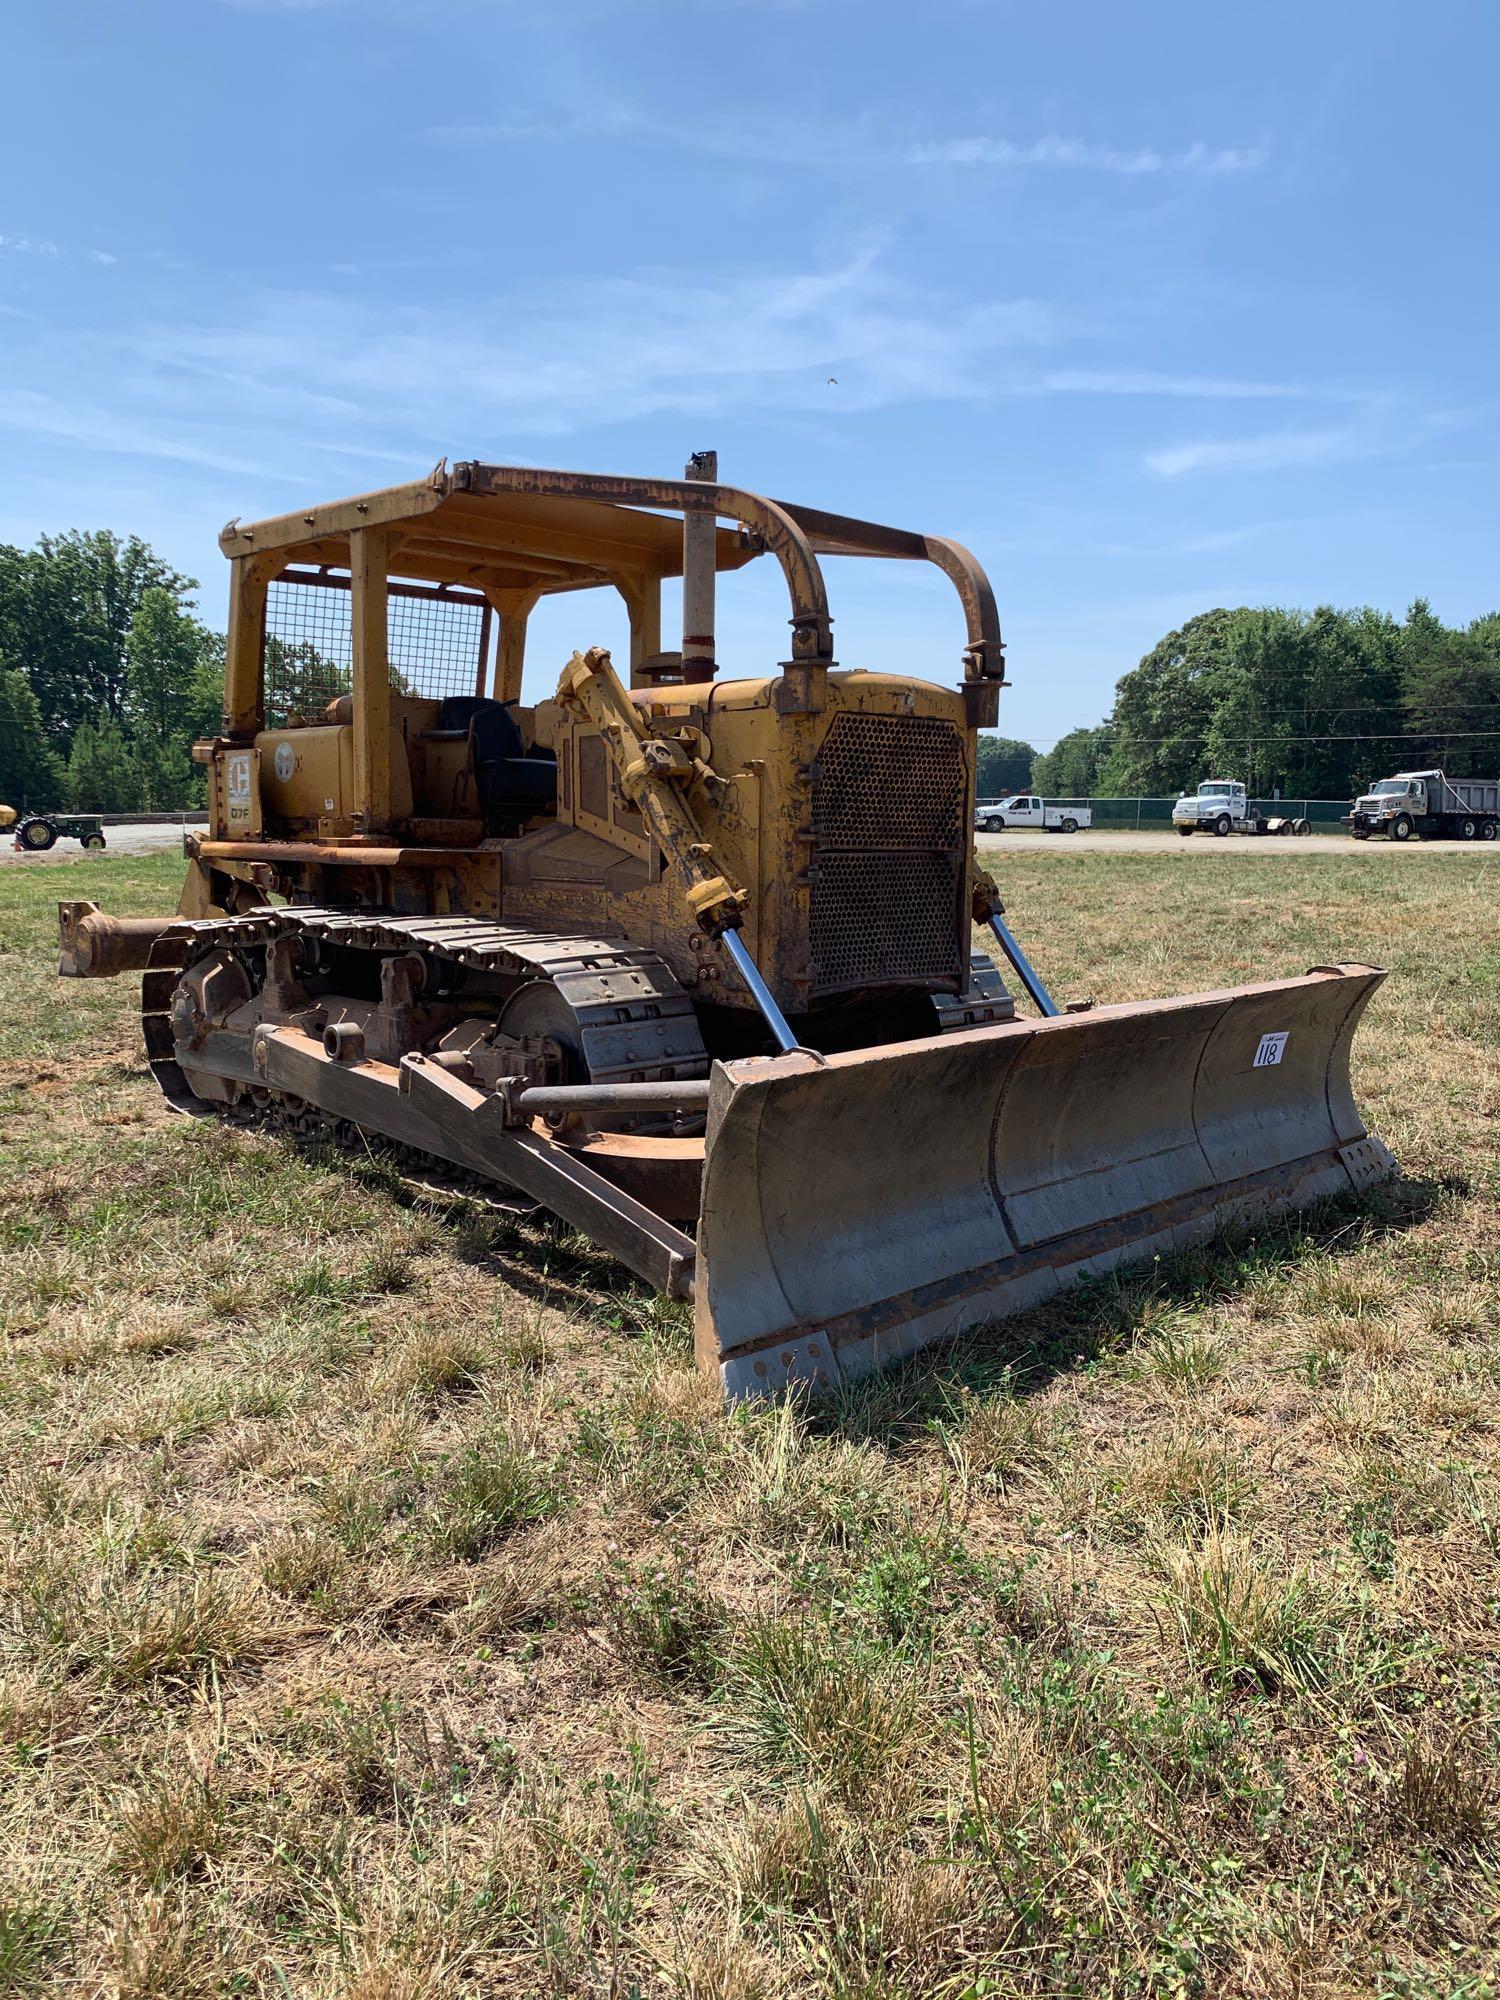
{"points": [[388, 1610]]}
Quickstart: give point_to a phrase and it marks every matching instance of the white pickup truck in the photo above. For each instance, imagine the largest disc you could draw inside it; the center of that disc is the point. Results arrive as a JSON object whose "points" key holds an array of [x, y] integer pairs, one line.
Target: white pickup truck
{"points": [[1026, 809]]}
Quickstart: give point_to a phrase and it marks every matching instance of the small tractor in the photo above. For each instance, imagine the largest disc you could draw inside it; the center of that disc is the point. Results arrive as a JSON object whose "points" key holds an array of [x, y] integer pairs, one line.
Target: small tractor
{"points": [[35, 832], [689, 962]]}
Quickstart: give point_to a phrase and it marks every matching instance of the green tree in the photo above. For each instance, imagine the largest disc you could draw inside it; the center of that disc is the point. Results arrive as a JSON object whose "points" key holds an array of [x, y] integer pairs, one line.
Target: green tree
{"points": [[1070, 769], [173, 695], [1311, 705], [205, 700], [1451, 693], [1305, 701], [1305, 704], [1004, 765], [104, 774], [166, 777], [66, 611], [300, 681], [30, 774], [1163, 709], [162, 655]]}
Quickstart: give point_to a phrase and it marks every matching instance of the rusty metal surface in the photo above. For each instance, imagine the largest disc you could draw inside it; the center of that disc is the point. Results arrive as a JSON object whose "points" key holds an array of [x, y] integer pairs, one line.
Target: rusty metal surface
{"points": [[888, 854], [422, 1105], [772, 527], [543, 1100], [965, 1178], [96, 946], [633, 1021], [352, 853], [610, 532], [853, 1207], [804, 898], [629, 1021]]}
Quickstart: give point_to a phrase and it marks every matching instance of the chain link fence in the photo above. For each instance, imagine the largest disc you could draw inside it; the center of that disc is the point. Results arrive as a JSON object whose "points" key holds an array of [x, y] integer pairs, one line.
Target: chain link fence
{"points": [[1146, 815]]}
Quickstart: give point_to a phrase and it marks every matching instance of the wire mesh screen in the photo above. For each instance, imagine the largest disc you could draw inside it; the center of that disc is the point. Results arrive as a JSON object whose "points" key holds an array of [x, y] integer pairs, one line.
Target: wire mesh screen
{"points": [[309, 651], [438, 643]]}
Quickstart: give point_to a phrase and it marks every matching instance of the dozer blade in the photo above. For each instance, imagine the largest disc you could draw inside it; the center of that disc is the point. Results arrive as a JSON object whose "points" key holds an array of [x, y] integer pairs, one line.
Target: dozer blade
{"points": [[857, 1208]]}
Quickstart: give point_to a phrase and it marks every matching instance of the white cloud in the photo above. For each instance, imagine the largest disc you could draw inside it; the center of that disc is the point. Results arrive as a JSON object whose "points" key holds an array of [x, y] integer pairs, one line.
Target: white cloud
{"points": [[30, 246], [99, 430], [1151, 382], [41, 246], [1055, 152], [1273, 453], [1212, 542], [263, 382], [598, 121], [602, 350]]}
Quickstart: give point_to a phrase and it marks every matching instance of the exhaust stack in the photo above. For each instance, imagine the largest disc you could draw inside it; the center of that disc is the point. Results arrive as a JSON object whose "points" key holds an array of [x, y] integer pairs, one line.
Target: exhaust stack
{"points": [[699, 562]]}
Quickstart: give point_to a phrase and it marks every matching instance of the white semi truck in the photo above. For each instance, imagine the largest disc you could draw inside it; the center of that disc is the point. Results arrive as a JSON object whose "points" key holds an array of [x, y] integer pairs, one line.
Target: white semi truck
{"points": [[1220, 806], [1429, 804]]}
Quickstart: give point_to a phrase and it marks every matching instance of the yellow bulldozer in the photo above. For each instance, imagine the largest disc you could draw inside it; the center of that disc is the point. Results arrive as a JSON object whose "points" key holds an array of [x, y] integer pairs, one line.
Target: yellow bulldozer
{"points": [[689, 962]]}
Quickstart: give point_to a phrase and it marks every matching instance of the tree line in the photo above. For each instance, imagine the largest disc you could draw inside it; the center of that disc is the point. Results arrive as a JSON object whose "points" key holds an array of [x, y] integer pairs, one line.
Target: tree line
{"points": [[1305, 704], [107, 676]]}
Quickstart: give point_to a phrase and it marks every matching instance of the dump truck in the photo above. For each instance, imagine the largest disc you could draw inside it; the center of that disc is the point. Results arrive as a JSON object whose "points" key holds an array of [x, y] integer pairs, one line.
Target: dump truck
{"points": [[687, 961], [1430, 805], [1219, 806]]}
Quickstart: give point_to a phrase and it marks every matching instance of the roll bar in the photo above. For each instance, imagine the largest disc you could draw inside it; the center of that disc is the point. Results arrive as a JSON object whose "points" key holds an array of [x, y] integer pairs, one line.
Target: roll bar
{"points": [[605, 530], [796, 536]]}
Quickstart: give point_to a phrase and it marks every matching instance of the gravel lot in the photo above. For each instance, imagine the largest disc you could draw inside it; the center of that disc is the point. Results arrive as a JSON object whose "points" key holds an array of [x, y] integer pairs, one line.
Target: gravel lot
{"points": [[1207, 843], [142, 838], [146, 839]]}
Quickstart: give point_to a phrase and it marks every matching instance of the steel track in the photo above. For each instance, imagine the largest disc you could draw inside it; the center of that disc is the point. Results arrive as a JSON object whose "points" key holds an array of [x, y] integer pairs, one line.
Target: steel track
{"points": [[636, 1023]]}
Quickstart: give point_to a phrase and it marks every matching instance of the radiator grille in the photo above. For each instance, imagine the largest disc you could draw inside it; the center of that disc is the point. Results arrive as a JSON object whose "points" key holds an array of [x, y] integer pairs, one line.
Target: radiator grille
{"points": [[889, 846]]}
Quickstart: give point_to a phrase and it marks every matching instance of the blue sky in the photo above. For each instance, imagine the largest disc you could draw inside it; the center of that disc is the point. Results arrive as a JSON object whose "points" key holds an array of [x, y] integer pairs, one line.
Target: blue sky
{"points": [[1155, 306]]}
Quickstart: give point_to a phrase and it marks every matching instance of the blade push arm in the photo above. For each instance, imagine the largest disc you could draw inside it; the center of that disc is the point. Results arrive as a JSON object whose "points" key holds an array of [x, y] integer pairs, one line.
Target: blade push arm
{"points": [[988, 909]]}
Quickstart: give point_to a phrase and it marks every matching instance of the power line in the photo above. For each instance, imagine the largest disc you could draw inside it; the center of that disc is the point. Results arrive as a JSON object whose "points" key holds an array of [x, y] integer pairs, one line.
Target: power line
{"points": [[1270, 740]]}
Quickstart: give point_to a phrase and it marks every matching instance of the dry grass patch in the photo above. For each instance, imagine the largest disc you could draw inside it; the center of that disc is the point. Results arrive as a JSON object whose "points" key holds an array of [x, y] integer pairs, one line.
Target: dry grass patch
{"points": [[437, 1361], [1445, 1785], [171, 1824], [485, 1494], [388, 1609], [809, 1707], [300, 1562]]}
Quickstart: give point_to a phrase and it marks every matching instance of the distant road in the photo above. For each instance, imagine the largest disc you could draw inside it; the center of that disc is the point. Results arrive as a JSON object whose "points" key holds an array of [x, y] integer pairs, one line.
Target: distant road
{"points": [[1273, 844], [146, 839], [135, 838]]}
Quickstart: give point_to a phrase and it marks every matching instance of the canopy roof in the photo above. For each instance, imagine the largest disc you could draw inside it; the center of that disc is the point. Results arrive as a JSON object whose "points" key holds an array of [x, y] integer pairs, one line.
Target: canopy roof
{"points": [[446, 532], [512, 527]]}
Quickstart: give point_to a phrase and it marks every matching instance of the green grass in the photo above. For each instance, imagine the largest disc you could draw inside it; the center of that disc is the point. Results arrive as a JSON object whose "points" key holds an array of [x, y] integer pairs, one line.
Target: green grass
{"points": [[388, 1610]]}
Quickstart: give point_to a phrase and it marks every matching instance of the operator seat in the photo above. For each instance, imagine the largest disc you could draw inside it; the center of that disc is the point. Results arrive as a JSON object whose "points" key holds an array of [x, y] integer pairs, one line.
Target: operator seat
{"points": [[512, 785]]}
